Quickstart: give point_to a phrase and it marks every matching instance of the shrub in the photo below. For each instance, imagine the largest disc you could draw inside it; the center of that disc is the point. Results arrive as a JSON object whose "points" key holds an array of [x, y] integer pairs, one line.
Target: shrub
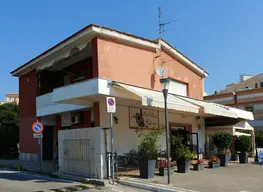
{"points": [[259, 138], [148, 148], [181, 150], [222, 141], [243, 144]]}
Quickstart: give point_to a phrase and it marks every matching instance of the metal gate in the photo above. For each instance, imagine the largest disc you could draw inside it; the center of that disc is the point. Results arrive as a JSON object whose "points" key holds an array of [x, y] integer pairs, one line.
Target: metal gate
{"points": [[78, 157]]}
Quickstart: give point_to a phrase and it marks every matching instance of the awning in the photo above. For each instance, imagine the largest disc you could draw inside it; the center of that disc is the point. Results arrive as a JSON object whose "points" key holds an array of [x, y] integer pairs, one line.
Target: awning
{"points": [[240, 133], [247, 115], [211, 108], [155, 99], [181, 103], [243, 125]]}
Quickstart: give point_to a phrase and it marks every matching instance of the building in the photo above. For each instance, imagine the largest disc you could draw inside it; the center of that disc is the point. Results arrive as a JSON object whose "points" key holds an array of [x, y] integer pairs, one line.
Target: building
{"points": [[246, 82], [66, 87], [11, 98], [246, 94]]}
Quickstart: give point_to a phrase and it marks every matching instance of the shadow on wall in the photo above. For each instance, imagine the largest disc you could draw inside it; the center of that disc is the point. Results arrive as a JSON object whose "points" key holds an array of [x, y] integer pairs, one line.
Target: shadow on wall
{"points": [[153, 80]]}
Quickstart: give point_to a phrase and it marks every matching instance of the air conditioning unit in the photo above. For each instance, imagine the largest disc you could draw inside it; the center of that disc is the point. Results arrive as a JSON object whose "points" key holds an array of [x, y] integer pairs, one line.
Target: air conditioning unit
{"points": [[74, 119]]}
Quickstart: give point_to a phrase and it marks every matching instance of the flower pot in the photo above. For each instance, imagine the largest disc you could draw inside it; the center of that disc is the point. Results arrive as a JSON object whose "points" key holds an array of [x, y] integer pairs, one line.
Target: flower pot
{"points": [[213, 164], [183, 165], [234, 157], [198, 167], [146, 168], [224, 159], [243, 158], [164, 171]]}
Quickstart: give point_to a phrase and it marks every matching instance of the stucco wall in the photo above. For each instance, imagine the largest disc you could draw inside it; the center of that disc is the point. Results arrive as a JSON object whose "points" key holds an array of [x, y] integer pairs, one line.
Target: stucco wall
{"points": [[137, 67], [126, 139]]}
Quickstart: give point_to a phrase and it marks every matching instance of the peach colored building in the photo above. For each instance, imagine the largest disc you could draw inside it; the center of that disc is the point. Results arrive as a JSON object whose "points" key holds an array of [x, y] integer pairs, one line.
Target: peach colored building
{"points": [[66, 87]]}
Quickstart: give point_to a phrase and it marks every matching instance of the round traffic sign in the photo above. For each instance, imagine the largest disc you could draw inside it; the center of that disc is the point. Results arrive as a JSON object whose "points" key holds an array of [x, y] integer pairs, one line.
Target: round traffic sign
{"points": [[37, 127], [110, 101]]}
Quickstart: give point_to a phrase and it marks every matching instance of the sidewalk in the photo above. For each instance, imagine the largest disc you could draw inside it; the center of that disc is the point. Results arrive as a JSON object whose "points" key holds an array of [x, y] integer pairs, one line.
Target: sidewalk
{"points": [[235, 177]]}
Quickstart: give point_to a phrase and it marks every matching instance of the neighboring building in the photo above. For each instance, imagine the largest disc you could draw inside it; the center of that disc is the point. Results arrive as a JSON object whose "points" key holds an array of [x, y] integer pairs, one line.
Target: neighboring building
{"points": [[66, 87], [11, 98], [247, 95], [246, 82]]}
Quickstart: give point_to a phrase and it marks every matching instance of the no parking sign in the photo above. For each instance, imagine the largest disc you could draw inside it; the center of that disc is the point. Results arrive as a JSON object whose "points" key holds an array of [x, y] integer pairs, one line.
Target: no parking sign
{"points": [[111, 104]]}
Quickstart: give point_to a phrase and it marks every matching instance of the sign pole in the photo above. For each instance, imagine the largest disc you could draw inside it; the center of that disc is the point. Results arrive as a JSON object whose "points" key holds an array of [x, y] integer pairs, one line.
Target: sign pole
{"points": [[112, 149], [40, 153], [111, 108], [37, 129]]}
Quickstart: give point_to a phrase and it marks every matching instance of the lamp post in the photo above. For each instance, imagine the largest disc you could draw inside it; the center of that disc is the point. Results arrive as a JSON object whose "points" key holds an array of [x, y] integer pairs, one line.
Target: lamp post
{"points": [[165, 82]]}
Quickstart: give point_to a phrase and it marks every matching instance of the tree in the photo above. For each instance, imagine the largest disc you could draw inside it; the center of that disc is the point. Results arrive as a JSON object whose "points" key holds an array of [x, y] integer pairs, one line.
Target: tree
{"points": [[9, 130], [222, 141]]}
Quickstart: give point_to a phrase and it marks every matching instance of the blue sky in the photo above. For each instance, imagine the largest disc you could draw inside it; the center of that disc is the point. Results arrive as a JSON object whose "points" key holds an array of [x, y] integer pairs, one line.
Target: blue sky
{"points": [[224, 37]]}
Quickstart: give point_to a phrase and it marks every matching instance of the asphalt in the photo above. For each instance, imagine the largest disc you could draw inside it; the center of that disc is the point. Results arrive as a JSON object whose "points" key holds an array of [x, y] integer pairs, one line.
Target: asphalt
{"points": [[15, 181]]}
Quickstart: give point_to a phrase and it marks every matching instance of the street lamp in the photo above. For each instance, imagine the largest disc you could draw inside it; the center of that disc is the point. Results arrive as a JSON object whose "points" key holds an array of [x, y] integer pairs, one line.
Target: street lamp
{"points": [[165, 82]]}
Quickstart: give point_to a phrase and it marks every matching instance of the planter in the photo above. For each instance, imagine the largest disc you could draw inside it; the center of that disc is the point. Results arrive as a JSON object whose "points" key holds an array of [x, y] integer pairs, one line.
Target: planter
{"points": [[147, 168], [234, 157], [243, 158], [198, 167], [183, 165], [224, 159], [164, 171], [213, 164]]}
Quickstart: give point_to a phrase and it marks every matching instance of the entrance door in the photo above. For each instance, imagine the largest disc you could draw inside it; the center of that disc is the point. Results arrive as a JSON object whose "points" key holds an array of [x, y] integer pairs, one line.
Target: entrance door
{"points": [[189, 139], [193, 145], [48, 143]]}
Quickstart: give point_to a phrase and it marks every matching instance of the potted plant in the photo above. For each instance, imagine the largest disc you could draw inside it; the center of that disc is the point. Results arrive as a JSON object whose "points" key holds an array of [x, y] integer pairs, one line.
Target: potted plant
{"points": [[223, 142], [147, 153], [162, 166], [182, 153], [199, 165], [214, 162], [243, 145], [234, 155]]}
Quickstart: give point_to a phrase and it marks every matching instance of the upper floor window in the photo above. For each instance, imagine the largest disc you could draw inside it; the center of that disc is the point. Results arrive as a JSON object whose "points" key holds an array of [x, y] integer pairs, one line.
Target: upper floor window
{"points": [[261, 84], [178, 88]]}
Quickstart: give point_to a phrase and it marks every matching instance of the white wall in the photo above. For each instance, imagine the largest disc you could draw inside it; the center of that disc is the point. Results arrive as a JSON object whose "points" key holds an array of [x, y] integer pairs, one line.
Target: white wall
{"points": [[96, 137], [126, 139], [45, 106]]}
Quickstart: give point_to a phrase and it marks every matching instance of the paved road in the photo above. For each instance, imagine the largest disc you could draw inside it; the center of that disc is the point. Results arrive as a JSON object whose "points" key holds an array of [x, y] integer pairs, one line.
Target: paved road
{"points": [[14, 181]]}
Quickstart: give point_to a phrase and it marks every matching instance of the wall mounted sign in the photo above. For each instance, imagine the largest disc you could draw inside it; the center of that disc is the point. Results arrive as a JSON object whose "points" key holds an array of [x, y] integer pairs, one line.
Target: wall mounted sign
{"points": [[143, 118]]}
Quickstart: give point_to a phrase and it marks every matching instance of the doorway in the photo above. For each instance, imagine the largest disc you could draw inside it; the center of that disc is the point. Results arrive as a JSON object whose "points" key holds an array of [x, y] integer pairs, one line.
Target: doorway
{"points": [[189, 139], [48, 143]]}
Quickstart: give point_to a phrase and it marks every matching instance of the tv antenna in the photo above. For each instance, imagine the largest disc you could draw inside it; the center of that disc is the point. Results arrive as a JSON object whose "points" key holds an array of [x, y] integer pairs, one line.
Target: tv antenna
{"points": [[163, 24], [162, 71]]}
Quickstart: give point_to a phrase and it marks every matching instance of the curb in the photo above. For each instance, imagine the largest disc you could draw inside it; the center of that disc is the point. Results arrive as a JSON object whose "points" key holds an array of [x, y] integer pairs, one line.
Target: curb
{"points": [[153, 187], [84, 180]]}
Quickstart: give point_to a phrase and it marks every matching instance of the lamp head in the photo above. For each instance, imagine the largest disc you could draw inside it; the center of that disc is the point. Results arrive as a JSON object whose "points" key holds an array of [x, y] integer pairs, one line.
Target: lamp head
{"points": [[165, 82]]}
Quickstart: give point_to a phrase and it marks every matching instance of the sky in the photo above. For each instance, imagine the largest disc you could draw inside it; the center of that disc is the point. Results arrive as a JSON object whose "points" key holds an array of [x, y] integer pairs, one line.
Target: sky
{"points": [[223, 37]]}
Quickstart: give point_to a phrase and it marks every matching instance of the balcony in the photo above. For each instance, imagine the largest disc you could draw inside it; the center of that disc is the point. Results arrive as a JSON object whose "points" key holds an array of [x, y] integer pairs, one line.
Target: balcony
{"points": [[45, 106]]}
